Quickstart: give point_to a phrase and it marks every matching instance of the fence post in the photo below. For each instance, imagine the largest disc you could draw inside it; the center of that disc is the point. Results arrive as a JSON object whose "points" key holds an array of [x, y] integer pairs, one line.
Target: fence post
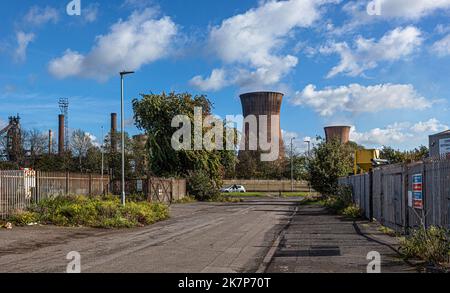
{"points": [[406, 198], [36, 187], [67, 183], [371, 195], [90, 184]]}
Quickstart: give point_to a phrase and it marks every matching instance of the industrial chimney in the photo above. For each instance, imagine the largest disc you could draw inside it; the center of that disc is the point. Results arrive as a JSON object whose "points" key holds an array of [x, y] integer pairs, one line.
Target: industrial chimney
{"points": [[50, 142], [263, 103], [342, 133], [61, 134], [113, 133]]}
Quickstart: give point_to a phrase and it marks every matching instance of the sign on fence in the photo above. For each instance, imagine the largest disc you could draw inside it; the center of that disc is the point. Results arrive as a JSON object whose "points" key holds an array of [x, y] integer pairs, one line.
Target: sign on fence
{"points": [[444, 146], [417, 191]]}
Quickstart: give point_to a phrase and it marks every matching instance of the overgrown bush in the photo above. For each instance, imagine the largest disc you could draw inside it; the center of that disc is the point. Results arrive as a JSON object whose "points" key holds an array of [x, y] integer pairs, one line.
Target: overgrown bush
{"points": [[431, 245], [343, 199], [106, 212], [23, 218], [352, 211], [202, 187], [330, 161]]}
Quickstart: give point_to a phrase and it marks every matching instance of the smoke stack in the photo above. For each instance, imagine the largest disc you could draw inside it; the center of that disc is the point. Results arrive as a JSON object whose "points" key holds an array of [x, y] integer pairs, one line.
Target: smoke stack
{"points": [[341, 133], [50, 142], [263, 103], [113, 132], [61, 134]]}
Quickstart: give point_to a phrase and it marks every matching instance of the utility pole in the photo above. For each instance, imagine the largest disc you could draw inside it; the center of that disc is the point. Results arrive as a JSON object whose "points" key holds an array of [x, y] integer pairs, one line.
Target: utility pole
{"points": [[102, 146], [292, 166], [307, 158], [122, 127]]}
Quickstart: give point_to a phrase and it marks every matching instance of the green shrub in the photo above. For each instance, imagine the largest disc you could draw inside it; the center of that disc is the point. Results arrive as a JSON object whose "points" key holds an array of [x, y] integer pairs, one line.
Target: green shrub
{"points": [[387, 231], [339, 202], [202, 187], [431, 245], [352, 211], [106, 212], [23, 218]]}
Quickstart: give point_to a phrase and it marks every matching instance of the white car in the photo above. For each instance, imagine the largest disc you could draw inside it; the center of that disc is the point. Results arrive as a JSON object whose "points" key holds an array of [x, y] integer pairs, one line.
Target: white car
{"points": [[233, 188]]}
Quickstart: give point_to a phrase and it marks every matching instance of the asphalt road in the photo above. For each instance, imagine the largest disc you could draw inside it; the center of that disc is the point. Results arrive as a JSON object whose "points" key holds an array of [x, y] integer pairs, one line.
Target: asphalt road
{"points": [[199, 237]]}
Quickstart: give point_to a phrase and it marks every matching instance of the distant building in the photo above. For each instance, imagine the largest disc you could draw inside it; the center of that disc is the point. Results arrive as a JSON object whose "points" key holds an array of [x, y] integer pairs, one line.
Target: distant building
{"points": [[440, 144]]}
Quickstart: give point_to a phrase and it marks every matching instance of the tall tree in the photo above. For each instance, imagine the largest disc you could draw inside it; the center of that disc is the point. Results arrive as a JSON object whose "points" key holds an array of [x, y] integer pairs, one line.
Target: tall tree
{"points": [[330, 161], [80, 143], [154, 113]]}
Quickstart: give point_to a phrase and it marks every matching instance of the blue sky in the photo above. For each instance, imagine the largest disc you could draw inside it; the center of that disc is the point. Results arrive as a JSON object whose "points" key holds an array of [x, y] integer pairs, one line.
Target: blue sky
{"points": [[385, 74]]}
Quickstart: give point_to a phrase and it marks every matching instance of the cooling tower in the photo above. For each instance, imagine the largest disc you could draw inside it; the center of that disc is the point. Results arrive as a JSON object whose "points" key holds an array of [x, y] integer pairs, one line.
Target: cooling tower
{"points": [[263, 103], [342, 133]]}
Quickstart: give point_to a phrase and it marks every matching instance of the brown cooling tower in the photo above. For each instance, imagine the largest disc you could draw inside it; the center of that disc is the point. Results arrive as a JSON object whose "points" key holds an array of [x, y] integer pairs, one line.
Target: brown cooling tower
{"points": [[263, 103], [113, 132], [60, 134], [342, 133]]}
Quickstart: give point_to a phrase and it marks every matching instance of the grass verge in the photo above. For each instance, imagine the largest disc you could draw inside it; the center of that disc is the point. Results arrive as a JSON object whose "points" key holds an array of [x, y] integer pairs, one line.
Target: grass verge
{"points": [[98, 212]]}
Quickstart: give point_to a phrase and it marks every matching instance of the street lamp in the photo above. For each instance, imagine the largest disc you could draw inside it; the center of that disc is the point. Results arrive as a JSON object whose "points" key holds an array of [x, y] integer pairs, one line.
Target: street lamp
{"points": [[102, 146], [122, 127], [292, 166], [308, 141]]}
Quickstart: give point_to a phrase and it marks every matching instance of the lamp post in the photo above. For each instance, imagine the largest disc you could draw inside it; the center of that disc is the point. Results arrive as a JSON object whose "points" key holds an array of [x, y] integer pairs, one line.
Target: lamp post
{"points": [[292, 166], [307, 158], [103, 159], [122, 128]]}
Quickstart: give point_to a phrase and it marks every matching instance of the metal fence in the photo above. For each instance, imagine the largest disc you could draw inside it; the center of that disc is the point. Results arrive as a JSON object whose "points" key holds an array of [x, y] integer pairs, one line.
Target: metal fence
{"points": [[269, 185], [385, 194], [19, 189]]}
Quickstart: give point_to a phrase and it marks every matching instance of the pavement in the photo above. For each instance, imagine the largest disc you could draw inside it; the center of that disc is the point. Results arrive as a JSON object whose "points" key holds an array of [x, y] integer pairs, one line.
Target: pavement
{"points": [[317, 242], [257, 235], [199, 237]]}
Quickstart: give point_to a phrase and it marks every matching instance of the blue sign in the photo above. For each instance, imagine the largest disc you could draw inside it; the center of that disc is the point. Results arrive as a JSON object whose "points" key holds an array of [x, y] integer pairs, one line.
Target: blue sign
{"points": [[417, 178]]}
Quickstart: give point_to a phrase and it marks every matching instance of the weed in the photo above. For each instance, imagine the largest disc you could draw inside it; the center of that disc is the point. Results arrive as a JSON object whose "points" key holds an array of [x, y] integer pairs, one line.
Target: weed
{"points": [[431, 245]]}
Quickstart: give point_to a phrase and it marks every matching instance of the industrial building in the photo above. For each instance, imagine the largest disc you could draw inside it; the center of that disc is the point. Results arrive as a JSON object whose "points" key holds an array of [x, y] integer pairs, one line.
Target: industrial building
{"points": [[440, 144]]}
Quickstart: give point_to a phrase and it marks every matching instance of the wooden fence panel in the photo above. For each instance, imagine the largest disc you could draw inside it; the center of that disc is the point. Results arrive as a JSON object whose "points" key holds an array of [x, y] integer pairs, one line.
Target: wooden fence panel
{"points": [[389, 189]]}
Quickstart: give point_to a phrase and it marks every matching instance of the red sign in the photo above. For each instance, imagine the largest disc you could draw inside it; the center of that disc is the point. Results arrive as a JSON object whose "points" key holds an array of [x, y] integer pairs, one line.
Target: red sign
{"points": [[417, 187]]}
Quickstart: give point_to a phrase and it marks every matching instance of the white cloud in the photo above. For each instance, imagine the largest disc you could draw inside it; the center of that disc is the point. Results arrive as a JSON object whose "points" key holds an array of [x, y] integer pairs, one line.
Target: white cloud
{"points": [[41, 15], [23, 40], [430, 126], [299, 142], [368, 53], [402, 10], [214, 82], [442, 47], [356, 98], [90, 13], [250, 43], [398, 134], [130, 44]]}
